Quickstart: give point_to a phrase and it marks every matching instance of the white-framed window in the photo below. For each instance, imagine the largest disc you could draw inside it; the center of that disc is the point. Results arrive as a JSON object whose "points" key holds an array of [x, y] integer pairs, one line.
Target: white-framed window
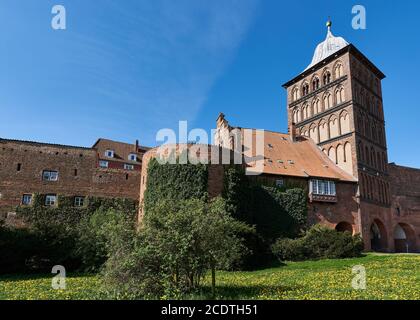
{"points": [[323, 187], [50, 200], [128, 166], [132, 157], [280, 183], [103, 164], [109, 153], [27, 199], [48, 175], [79, 201]]}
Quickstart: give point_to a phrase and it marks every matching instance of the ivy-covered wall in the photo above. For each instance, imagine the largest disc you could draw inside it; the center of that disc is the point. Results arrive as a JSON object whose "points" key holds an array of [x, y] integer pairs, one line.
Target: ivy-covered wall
{"points": [[66, 213], [275, 211], [175, 181]]}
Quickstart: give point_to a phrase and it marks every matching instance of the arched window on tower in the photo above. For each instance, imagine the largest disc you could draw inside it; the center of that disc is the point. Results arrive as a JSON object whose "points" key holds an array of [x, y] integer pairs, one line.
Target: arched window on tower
{"points": [[316, 107], [327, 77], [339, 95], [327, 101], [338, 71], [315, 84], [295, 94], [305, 89]]}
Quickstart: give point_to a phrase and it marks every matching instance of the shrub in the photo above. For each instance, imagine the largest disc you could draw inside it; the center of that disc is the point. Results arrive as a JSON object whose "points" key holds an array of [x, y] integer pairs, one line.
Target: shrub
{"points": [[180, 241], [63, 235], [319, 243], [289, 249], [96, 236], [16, 246]]}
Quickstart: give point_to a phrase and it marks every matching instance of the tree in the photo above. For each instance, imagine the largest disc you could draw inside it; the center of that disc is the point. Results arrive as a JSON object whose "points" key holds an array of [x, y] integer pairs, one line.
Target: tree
{"points": [[178, 244]]}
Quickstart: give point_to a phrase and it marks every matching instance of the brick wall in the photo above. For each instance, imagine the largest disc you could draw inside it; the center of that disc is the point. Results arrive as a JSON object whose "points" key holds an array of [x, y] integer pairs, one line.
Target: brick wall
{"points": [[22, 165], [405, 208]]}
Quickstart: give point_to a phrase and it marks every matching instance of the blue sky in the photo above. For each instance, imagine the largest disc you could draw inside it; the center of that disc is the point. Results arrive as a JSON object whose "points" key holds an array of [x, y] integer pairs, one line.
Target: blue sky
{"points": [[125, 69]]}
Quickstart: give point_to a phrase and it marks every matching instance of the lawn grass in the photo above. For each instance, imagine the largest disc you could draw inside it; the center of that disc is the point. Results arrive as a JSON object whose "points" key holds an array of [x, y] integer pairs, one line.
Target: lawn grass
{"points": [[388, 277]]}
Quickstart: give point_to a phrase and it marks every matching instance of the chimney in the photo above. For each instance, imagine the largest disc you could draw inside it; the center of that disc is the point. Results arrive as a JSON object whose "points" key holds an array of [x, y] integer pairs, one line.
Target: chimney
{"points": [[137, 146], [293, 131]]}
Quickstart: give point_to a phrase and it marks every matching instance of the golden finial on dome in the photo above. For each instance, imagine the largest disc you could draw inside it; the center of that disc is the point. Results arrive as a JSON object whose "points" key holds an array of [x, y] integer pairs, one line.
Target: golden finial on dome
{"points": [[329, 23]]}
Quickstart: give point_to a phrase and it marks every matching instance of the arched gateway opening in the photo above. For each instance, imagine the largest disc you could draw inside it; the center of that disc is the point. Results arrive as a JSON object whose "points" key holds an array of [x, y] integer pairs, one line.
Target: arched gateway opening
{"points": [[404, 238], [343, 227], [378, 240]]}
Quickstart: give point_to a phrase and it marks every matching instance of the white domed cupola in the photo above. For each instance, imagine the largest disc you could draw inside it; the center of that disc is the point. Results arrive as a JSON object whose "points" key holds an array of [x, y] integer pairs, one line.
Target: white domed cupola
{"points": [[328, 47]]}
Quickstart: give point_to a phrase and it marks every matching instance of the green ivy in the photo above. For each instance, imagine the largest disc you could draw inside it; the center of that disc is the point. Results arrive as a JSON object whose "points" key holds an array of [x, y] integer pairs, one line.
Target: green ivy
{"points": [[66, 214], [275, 211], [175, 182]]}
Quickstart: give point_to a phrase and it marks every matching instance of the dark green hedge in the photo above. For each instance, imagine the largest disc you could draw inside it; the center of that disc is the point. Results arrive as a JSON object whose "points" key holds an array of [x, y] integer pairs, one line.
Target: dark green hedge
{"points": [[175, 181], [55, 235], [275, 211], [319, 242]]}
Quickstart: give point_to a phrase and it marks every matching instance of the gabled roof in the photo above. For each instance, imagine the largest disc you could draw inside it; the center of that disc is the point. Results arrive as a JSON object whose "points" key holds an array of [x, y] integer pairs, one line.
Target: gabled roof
{"points": [[300, 158], [42, 144], [121, 150]]}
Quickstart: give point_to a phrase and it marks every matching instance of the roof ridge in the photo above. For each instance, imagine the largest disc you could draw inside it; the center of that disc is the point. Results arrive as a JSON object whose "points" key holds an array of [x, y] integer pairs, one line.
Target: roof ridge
{"points": [[45, 144]]}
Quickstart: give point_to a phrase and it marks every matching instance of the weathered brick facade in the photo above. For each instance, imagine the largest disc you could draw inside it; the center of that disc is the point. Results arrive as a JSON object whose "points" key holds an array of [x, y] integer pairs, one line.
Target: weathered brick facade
{"points": [[337, 102], [23, 164]]}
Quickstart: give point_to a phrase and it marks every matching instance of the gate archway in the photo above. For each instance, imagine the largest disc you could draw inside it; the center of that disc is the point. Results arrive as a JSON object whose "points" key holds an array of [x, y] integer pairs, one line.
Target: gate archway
{"points": [[378, 238], [344, 226], [404, 238]]}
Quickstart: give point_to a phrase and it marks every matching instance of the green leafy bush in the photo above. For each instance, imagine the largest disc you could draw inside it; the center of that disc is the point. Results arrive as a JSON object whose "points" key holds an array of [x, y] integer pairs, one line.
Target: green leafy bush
{"points": [[96, 234], [16, 245], [62, 235], [180, 241], [319, 243]]}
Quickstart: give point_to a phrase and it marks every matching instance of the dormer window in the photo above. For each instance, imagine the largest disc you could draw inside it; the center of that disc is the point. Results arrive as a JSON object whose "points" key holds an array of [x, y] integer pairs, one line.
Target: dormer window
{"points": [[132, 157], [109, 153]]}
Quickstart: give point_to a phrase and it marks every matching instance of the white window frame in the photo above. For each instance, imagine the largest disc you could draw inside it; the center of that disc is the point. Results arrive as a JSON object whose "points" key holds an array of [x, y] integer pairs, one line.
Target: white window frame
{"points": [[103, 163], [50, 200], [25, 196], [50, 175], [79, 201], [109, 153], [132, 157], [128, 166], [323, 187], [280, 183]]}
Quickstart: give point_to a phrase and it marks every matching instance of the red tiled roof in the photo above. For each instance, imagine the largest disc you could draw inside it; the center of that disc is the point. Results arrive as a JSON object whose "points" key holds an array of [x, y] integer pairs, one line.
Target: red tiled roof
{"points": [[300, 158], [121, 150]]}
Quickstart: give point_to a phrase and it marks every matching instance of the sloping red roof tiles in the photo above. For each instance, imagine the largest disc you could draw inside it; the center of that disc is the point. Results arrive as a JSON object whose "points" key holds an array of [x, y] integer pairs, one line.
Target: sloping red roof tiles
{"points": [[300, 158]]}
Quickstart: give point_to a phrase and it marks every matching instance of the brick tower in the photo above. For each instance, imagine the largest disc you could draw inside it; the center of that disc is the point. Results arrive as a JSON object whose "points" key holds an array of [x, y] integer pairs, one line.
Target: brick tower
{"points": [[337, 102]]}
